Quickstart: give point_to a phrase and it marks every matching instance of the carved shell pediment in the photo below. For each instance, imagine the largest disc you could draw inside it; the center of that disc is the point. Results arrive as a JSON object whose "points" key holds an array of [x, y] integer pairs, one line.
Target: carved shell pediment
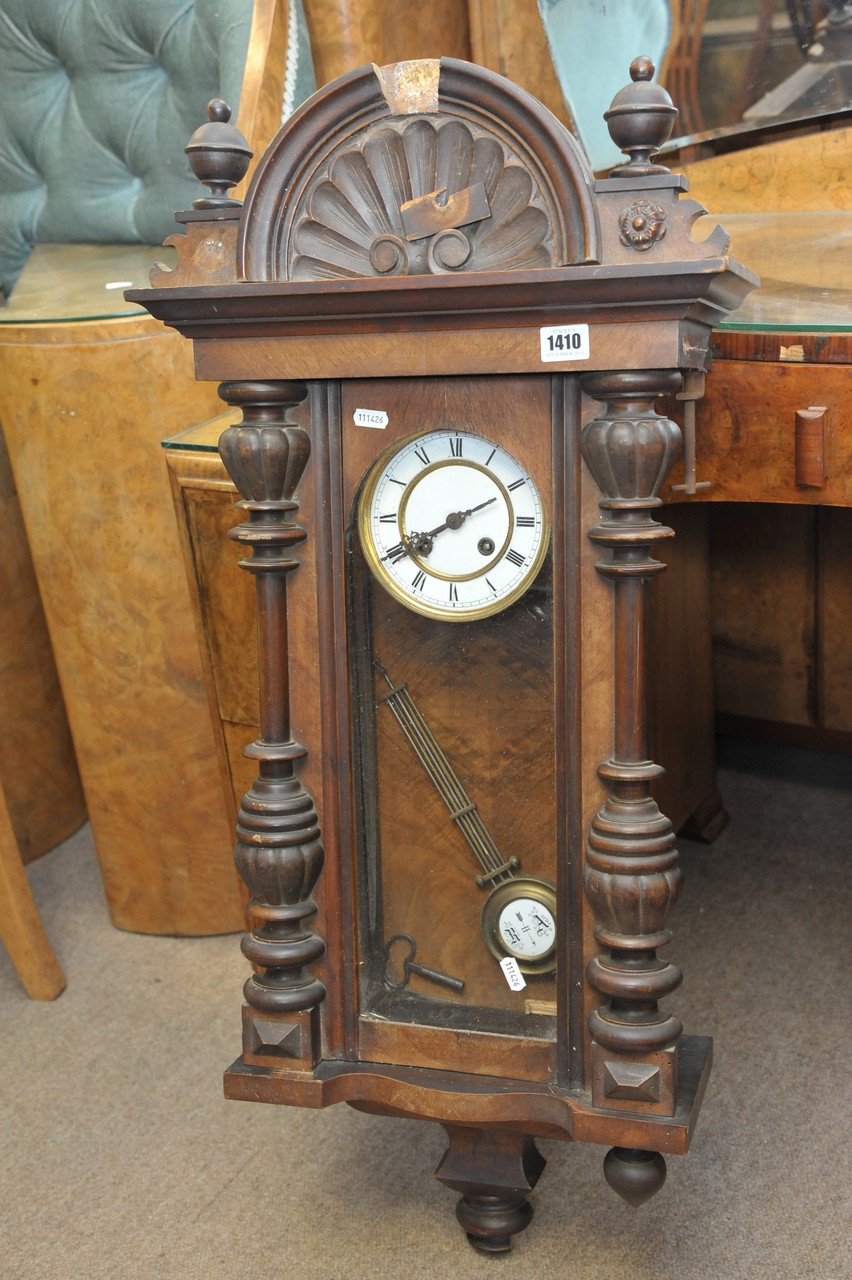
{"points": [[418, 168], [419, 196]]}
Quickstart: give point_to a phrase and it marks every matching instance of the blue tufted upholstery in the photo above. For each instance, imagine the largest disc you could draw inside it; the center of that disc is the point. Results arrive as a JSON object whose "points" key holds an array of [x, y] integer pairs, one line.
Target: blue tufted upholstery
{"points": [[97, 101]]}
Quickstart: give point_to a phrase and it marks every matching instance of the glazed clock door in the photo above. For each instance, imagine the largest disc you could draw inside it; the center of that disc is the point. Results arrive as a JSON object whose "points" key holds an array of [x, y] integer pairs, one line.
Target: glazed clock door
{"points": [[449, 495]]}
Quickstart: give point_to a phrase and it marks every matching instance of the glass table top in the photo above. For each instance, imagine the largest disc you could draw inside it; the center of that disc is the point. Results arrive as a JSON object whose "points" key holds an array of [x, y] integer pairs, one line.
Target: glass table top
{"points": [[204, 437], [65, 282], [804, 261]]}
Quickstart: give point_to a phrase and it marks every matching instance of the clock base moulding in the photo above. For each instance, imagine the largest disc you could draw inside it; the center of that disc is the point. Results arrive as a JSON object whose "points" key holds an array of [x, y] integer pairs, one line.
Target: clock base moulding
{"points": [[542, 1110]]}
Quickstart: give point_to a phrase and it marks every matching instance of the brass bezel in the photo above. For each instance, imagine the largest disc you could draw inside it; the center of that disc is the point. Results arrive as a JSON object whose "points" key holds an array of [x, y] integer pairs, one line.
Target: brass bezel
{"points": [[390, 584]]}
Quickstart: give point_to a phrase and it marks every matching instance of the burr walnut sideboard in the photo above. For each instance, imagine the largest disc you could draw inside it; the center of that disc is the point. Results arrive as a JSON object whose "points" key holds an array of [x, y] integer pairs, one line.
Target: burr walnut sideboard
{"points": [[774, 465]]}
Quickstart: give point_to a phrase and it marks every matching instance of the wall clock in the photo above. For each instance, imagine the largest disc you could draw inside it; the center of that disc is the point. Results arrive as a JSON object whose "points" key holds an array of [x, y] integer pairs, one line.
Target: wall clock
{"points": [[445, 340]]}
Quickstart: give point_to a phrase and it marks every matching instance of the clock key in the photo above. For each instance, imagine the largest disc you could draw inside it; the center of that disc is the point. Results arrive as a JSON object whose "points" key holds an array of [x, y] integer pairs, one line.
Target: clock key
{"points": [[410, 966]]}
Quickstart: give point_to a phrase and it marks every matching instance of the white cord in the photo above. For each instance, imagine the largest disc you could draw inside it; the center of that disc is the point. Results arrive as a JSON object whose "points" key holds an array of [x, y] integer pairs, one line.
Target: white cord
{"points": [[292, 67]]}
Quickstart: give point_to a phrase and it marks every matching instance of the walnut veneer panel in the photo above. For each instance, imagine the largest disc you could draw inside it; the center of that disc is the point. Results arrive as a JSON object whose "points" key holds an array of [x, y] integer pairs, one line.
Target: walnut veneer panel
{"points": [[782, 656], [346, 34], [411, 29], [834, 597], [84, 408], [680, 681], [507, 36], [764, 634], [810, 171], [228, 601], [241, 771], [745, 432], [223, 603]]}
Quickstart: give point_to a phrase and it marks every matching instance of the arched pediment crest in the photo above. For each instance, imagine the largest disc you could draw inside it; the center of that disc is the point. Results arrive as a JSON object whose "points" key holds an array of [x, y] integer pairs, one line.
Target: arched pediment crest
{"points": [[434, 167]]}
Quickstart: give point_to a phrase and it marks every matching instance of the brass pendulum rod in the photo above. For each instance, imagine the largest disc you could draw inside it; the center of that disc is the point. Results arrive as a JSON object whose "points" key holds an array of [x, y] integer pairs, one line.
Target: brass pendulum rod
{"points": [[463, 812]]}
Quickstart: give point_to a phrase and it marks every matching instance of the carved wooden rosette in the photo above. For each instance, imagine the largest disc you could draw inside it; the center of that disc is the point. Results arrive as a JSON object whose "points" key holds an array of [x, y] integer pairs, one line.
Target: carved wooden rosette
{"points": [[278, 851], [631, 877]]}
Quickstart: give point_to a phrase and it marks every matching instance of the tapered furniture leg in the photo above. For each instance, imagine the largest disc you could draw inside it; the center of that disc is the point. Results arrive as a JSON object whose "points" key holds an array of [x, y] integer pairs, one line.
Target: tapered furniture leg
{"points": [[20, 925]]}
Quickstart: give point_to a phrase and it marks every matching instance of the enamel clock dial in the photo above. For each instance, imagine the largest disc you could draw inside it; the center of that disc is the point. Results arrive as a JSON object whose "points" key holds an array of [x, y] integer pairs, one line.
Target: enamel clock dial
{"points": [[452, 525]]}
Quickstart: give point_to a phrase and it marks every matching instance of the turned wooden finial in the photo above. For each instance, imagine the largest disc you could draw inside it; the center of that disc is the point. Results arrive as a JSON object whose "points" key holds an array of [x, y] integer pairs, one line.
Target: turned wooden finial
{"points": [[219, 156], [640, 120], [634, 1175]]}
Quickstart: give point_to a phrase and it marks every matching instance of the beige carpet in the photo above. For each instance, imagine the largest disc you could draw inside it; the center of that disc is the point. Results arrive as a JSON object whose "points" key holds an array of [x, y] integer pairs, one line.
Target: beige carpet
{"points": [[121, 1161]]}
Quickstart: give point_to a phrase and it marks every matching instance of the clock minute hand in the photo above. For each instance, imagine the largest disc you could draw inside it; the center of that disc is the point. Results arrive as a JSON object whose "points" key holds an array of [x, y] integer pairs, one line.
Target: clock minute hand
{"points": [[456, 519], [420, 544]]}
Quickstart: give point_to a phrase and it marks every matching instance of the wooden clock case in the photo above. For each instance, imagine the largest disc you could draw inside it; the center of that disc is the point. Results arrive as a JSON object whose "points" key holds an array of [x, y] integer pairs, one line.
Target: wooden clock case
{"points": [[411, 241]]}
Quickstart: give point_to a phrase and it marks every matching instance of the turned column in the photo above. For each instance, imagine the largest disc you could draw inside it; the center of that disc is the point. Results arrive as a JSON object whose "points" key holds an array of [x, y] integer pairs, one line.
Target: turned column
{"points": [[631, 875], [278, 850]]}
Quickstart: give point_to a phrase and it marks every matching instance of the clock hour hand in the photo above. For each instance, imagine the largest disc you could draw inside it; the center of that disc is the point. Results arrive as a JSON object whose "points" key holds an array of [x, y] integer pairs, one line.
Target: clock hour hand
{"points": [[420, 544]]}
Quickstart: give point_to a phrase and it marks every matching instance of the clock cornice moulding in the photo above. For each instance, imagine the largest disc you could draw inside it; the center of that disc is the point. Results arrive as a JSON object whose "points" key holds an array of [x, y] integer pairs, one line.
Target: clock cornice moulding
{"points": [[356, 111], [704, 291]]}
